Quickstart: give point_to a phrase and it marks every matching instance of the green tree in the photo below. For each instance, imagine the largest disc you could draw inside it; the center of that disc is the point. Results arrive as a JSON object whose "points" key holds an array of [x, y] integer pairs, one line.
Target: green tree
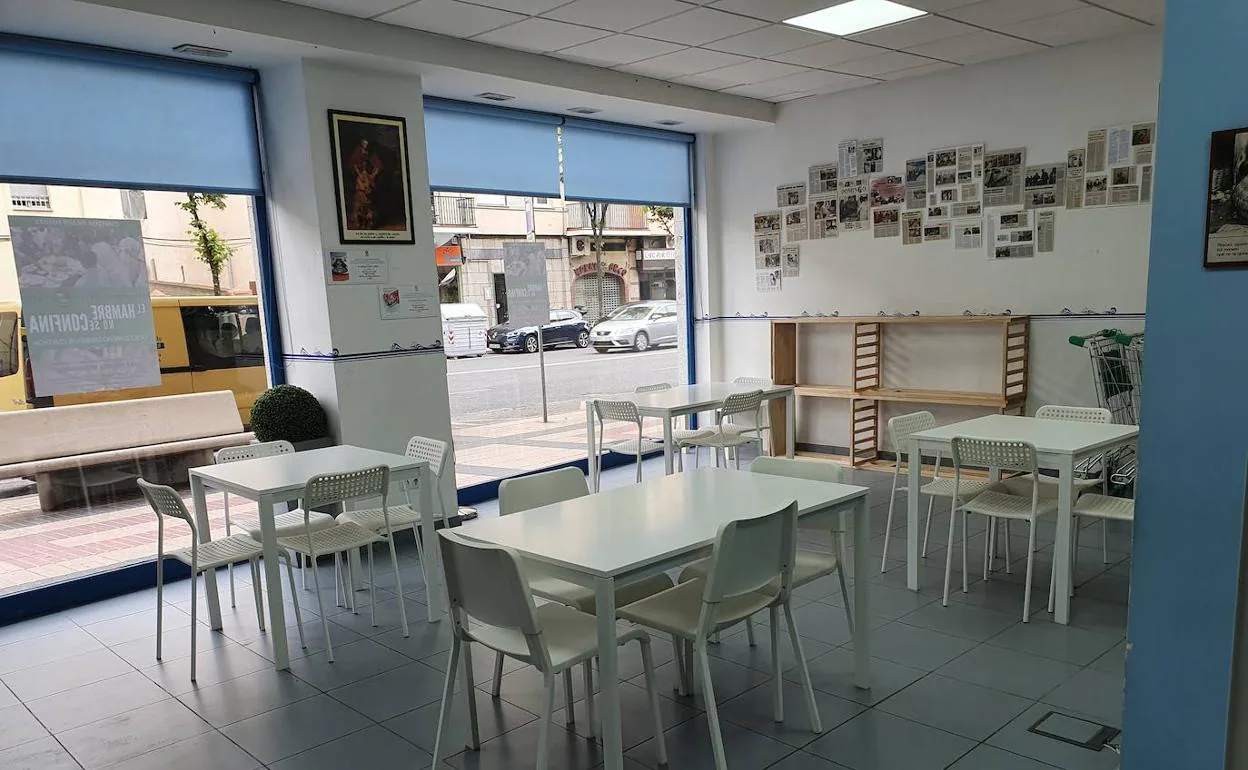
{"points": [[210, 247], [663, 215], [597, 223]]}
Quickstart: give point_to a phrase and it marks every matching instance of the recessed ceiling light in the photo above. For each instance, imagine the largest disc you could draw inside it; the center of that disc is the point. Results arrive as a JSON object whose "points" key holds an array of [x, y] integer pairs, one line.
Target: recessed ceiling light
{"points": [[203, 51], [856, 16], [493, 97], [584, 110], [669, 122]]}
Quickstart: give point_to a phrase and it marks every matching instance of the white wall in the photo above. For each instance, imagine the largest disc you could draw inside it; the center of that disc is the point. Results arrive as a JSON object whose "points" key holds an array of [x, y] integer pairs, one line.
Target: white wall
{"points": [[1045, 102]]}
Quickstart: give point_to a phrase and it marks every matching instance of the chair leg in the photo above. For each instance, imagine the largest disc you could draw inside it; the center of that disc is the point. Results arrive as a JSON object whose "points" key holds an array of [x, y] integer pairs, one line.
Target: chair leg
{"points": [[682, 672], [474, 730], [398, 587], [690, 683], [290, 575], [712, 710], [953, 517], [1052, 587], [749, 631], [567, 695], [226, 503], [1105, 541], [160, 601], [1009, 567], [591, 717], [497, 687], [966, 570], [849, 605], [639, 463], [990, 532], [927, 528], [815, 724], [736, 457], [372, 590], [320, 606], [543, 736], [1031, 565], [448, 695], [888, 523], [194, 612], [254, 564], [776, 679], [647, 665]]}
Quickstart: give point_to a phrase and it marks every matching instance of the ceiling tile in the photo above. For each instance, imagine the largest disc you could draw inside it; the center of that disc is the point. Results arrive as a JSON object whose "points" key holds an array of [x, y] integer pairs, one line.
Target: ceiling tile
{"points": [[772, 10], [757, 70], [1071, 27], [922, 69], [618, 49], [701, 25], [827, 54], [976, 47], [540, 35], [918, 31], [879, 64], [362, 8], [1151, 11], [450, 17], [995, 14], [616, 15], [768, 41], [818, 80], [705, 80], [690, 61], [530, 7], [758, 90], [937, 6]]}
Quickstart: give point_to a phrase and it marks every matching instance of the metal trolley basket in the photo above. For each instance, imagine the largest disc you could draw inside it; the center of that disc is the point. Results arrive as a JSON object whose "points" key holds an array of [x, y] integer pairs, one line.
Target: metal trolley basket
{"points": [[1117, 368]]}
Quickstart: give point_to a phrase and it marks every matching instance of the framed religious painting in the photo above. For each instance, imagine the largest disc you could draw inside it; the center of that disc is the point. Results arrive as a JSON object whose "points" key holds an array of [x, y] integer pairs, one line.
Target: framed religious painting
{"points": [[372, 186], [1226, 218]]}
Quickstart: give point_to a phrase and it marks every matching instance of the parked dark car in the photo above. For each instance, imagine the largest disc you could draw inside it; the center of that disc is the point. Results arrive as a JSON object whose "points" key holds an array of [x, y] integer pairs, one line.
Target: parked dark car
{"points": [[566, 327]]}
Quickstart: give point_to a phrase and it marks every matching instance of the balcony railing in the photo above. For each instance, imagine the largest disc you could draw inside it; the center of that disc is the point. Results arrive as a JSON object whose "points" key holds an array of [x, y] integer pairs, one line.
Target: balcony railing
{"points": [[31, 202], [454, 210], [619, 217]]}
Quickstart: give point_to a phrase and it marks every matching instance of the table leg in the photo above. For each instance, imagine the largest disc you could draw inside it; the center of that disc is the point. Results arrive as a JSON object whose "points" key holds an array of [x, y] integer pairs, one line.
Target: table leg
{"points": [[790, 424], [862, 610], [591, 447], [273, 581], [1063, 538], [433, 568], [199, 500], [914, 481], [609, 671], [669, 456]]}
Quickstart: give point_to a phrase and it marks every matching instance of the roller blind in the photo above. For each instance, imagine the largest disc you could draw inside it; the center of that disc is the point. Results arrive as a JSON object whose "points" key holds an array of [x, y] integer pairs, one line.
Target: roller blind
{"points": [[625, 164], [474, 148], [83, 115]]}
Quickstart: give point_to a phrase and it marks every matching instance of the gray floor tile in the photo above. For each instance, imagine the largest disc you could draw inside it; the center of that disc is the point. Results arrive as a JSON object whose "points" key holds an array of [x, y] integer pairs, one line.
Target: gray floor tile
{"points": [[36, 627], [955, 706], [1092, 692], [99, 700], [18, 725], [1106, 588], [425, 639], [728, 680], [517, 750], [175, 644], [372, 747], [833, 673], [132, 734], [482, 663], [247, 696], [962, 620], [1093, 615], [689, 748], [387, 617], [292, 729], [38, 650], [636, 719], [1019, 673], [525, 688], [352, 662], [209, 751], [65, 674], [802, 761], [736, 648], [997, 595], [7, 698], [989, 758], [1114, 661], [1066, 643], [494, 717], [393, 692], [116, 607], [878, 741], [41, 754], [821, 622], [214, 665], [1015, 738], [916, 647], [891, 602], [313, 637], [138, 625], [754, 709]]}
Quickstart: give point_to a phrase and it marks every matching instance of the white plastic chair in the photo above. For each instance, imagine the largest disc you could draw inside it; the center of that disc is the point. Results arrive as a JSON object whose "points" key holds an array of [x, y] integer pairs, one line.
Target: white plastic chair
{"points": [[346, 536], [204, 557], [620, 411], [994, 504], [678, 434], [523, 493], [491, 604], [288, 523], [747, 423], [725, 435], [751, 569], [899, 430], [404, 517]]}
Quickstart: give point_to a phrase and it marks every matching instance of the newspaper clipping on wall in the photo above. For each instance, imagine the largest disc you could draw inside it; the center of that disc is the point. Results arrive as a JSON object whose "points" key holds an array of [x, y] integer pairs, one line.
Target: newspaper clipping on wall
{"points": [[768, 279], [1046, 231], [1097, 153], [855, 209], [1124, 185], [847, 159], [1011, 234], [936, 232], [791, 261], [916, 184], [968, 235], [766, 237], [822, 178], [791, 194], [871, 156], [1119, 169], [1118, 144], [911, 228], [955, 182], [1045, 186], [795, 228], [823, 217], [1003, 177], [1143, 136], [1146, 184], [886, 223], [1095, 190], [1074, 178], [888, 193], [1226, 235]]}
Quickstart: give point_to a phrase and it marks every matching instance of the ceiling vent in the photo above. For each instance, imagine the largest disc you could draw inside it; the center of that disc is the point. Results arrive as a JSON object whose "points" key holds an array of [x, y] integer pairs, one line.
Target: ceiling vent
{"points": [[490, 96], [669, 122], [202, 51], [584, 110]]}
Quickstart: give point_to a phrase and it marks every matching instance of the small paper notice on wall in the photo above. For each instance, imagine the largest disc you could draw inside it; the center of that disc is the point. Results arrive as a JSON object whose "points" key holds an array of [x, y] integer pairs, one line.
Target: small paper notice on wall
{"points": [[408, 302], [346, 266], [936, 232], [1011, 234], [911, 228], [1046, 231], [791, 261], [791, 195], [968, 234], [768, 280]]}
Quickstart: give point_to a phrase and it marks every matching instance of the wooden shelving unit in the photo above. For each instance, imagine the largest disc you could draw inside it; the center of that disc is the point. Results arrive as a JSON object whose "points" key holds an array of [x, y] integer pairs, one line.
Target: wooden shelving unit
{"points": [[867, 388]]}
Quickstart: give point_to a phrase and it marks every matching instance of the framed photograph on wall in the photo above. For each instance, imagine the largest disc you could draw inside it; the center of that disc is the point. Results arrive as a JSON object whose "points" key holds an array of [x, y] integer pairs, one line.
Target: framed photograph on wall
{"points": [[372, 186], [1226, 219]]}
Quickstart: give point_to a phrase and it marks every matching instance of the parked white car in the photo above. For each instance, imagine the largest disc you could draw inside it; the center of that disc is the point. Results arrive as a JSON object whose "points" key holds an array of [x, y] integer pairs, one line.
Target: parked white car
{"points": [[636, 326]]}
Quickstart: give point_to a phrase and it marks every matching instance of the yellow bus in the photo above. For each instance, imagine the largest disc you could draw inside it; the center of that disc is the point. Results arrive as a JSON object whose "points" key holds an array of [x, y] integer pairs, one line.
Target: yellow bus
{"points": [[203, 343]]}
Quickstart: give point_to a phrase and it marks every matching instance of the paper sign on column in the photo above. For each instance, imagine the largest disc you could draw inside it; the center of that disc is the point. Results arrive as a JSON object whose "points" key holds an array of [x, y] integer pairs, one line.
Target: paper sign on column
{"points": [[357, 266], [408, 302], [528, 298]]}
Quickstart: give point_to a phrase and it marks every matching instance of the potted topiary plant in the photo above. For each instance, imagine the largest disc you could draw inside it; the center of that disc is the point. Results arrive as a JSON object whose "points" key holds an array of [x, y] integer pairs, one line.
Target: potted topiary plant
{"points": [[291, 413]]}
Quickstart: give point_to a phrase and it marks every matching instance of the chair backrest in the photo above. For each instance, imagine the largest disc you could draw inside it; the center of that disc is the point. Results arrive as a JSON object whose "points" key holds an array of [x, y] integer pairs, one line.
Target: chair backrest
{"points": [[751, 554], [620, 411], [741, 403], [991, 453], [232, 454], [655, 388], [538, 489], [431, 450], [811, 470], [166, 501], [486, 587], [901, 426], [327, 488], [758, 382], [1075, 414]]}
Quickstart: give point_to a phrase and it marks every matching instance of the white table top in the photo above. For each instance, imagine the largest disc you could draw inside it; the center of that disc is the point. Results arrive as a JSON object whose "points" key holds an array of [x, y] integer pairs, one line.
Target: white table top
{"points": [[1048, 436], [701, 396], [619, 530], [287, 474]]}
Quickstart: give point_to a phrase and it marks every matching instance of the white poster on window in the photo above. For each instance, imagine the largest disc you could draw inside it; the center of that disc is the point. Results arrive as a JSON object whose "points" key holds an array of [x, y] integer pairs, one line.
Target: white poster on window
{"points": [[346, 266], [85, 303], [399, 302], [528, 298]]}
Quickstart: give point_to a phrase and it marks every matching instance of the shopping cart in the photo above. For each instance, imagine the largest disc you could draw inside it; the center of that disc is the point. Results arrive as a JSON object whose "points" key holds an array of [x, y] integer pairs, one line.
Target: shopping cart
{"points": [[1117, 364]]}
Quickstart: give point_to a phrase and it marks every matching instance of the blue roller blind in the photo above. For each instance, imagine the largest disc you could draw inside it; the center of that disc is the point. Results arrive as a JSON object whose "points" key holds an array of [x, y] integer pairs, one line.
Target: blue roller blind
{"points": [[82, 115], [474, 148], [608, 162]]}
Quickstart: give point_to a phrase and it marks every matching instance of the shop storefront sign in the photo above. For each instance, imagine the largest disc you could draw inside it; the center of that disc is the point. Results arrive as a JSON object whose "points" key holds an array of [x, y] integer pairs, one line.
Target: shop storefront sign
{"points": [[591, 267]]}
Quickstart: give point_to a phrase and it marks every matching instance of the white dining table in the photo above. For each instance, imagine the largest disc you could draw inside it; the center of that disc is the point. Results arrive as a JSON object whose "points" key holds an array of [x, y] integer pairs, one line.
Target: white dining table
{"points": [[1060, 445], [622, 535], [681, 400], [279, 478]]}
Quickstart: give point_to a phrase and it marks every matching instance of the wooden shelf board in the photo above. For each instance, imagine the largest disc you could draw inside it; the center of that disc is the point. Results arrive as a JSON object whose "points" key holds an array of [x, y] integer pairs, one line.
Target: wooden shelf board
{"points": [[886, 466], [824, 391], [951, 397], [917, 319]]}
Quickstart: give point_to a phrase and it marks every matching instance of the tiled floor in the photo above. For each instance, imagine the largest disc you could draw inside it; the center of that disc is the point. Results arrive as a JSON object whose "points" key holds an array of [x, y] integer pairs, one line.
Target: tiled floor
{"points": [[954, 687]]}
